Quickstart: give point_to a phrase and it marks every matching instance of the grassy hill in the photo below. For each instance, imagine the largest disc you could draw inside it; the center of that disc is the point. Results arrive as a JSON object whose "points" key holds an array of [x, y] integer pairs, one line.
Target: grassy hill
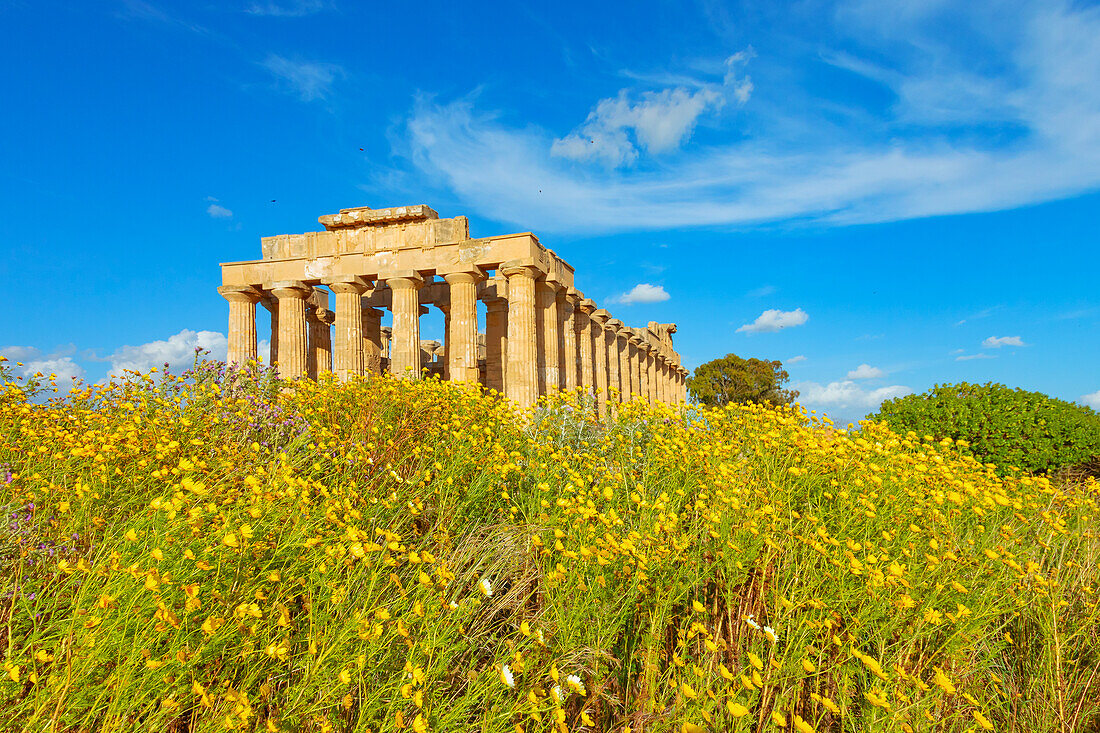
{"points": [[215, 551]]}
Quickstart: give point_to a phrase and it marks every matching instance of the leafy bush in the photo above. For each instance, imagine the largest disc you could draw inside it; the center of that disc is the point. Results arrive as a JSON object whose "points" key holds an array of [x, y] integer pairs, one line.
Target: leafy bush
{"points": [[1000, 425]]}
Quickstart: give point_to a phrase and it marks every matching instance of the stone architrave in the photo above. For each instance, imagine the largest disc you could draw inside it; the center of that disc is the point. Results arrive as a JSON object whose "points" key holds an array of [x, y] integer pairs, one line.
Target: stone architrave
{"points": [[496, 343], [522, 377], [462, 325], [293, 354], [548, 337], [405, 348], [348, 357], [242, 323], [374, 348]]}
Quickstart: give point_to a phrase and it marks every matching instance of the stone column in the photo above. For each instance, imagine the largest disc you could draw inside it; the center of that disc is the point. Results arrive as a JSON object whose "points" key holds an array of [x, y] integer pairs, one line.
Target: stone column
{"points": [[632, 343], [372, 340], [269, 301], [549, 333], [405, 350], [496, 343], [567, 360], [386, 339], [615, 366], [348, 355], [462, 326], [242, 323], [586, 375], [522, 376], [643, 370], [662, 378], [320, 340], [293, 354], [600, 339]]}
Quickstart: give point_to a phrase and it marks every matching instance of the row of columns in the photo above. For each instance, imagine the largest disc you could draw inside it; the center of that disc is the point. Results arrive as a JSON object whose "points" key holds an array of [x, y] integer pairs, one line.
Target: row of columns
{"points": [[540, 336]]}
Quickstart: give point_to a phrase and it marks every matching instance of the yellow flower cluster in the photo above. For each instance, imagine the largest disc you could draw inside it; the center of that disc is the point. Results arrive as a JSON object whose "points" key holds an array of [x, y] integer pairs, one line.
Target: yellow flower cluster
{"points": [[223, 551]]}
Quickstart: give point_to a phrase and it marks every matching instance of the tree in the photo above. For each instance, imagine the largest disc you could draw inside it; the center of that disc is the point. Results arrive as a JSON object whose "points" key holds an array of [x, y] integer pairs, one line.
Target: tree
{"points": [[1001, 425], [733, 379]]}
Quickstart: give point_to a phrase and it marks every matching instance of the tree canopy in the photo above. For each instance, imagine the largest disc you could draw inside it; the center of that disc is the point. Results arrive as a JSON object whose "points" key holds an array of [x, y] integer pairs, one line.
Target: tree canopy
{"points": [[733, 379]]}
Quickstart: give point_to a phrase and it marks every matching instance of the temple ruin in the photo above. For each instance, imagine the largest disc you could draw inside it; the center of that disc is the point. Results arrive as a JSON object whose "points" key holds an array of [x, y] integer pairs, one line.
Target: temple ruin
{"points": [[541, 333]]}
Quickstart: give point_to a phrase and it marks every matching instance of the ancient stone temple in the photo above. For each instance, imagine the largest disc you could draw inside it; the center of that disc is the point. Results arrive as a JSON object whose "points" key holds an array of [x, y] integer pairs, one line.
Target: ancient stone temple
{"points": [[326, 293]]}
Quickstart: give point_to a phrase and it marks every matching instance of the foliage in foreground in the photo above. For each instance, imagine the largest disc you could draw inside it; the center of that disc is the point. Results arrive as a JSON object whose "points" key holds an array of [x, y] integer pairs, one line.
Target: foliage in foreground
{"points": [[218, 553], [732, 379], [1000, 425]]}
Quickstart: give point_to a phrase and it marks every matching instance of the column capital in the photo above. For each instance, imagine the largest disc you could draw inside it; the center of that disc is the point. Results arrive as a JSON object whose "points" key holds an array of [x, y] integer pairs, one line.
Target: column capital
{"points": [[239, 293], [634, 338], [462, 276], [458, 277], [587, 305], [614, 324], [520, 267], [601, 316], [371, 311], [347, 284], [322, 315], [495, 304], [291, 289], [403, 279]]}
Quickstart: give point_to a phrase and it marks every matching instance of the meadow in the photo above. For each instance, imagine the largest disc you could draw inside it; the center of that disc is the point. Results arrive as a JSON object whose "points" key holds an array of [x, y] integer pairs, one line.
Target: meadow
{"points": [[222, 551]]}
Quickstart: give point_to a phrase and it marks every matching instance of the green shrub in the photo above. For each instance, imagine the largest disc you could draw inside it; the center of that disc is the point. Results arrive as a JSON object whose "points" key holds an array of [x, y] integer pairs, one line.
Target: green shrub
{"points": [[1001, 425]]}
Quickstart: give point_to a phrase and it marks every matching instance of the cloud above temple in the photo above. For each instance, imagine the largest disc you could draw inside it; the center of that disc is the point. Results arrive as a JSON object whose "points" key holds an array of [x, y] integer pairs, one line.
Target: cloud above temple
{"points": [[996, 342], [1092, 400], [959, 136], [310, 80], [847, 395], [775, 320], [865, 371], [643, 293]]}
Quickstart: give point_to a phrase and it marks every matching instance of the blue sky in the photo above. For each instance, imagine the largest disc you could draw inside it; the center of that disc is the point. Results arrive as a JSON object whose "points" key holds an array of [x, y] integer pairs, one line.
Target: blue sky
{"points": [[883, 195]]}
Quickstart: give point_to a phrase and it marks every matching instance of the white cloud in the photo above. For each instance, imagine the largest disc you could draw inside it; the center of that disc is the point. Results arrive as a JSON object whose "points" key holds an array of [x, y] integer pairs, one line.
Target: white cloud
{"points": [[774, 320], [761, 291], [643, 293], [969, 357], [293, 9], [309, 79], [219, 212], [996, 342], [1092, 400], [796, 359], [847, 394], [660, 121], [865, 371], [177, 351], [797, 161], [20, 353], [64, 367]]}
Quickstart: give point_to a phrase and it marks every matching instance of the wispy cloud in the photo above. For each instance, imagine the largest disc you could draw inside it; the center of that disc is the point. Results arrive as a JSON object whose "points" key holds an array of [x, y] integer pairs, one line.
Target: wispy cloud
{"points": [[983, 313], [775, 320], [761, 291], [217, 211], [970, 357], [866, 371], [656, 121], [308, 79], [931, 154], [795, 359], [996, 342], [643, 293], [295, 9]]}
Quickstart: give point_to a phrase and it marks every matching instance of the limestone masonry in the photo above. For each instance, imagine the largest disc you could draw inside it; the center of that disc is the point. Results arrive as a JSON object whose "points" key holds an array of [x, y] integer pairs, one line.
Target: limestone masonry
{"points": [[541, 333]]}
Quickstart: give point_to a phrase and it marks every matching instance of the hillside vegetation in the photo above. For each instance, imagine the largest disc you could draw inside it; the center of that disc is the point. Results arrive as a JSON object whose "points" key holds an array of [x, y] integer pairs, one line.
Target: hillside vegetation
{"points": [[217, 551]]}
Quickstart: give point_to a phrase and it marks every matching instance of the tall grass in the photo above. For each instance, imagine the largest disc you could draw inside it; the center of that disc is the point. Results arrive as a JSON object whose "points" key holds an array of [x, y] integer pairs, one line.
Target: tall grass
{"points": [[224, 551]]}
